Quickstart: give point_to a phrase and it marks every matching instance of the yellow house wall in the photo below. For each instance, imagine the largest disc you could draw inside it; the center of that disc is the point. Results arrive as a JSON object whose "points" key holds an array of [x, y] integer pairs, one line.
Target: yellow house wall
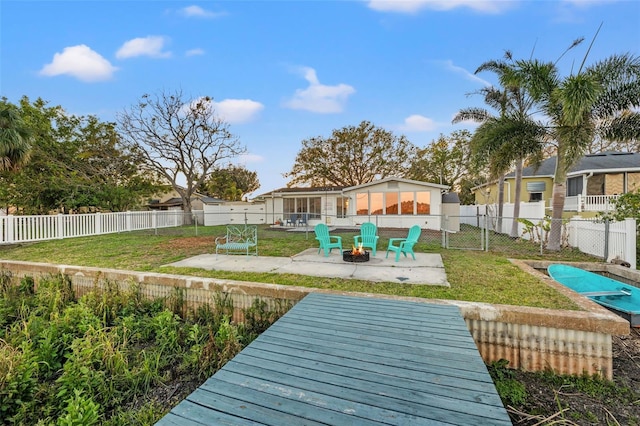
{"points": [[489, 193]]}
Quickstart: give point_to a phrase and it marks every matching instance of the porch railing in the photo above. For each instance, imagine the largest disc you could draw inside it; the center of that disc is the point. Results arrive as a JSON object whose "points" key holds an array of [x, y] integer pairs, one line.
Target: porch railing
{"points": [[590, 203]]}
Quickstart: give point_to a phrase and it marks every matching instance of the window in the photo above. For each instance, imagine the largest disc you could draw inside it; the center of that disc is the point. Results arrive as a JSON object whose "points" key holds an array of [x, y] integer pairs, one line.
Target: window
{"points": [[392, 202], [423, 202], [315, 208], [535, 196], [406, 202], [301, 205], [574, 186], [288, 206], [376, 202], [342, 207], [362, 203]]}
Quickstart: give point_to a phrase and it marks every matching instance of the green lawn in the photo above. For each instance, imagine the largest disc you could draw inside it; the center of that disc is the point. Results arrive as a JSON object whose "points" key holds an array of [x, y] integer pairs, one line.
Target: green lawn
{"points": [[474, 275]]}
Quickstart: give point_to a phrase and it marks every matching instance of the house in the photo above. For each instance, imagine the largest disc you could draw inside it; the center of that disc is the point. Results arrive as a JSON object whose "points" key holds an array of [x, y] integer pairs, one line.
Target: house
{"points": [[171, 200], [592, 184], [390, 202]]}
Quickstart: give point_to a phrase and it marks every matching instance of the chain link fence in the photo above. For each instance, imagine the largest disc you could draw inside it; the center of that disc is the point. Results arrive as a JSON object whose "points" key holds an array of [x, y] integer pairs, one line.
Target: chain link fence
{"points": [[580, 239]]}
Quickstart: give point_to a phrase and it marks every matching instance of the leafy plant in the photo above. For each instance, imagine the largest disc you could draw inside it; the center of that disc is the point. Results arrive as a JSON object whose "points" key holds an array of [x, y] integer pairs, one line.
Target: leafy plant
{"points": [[511, 391], [18, 379], [80, 411]]}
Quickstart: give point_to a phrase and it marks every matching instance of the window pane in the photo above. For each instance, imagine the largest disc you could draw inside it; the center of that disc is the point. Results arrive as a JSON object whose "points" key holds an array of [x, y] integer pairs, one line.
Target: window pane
{"points": [[315, 208], [406, 199], [342, 207], [301, 205], [362, 203], [289, 205], [376, 202], [423, 202], [392, 202]]}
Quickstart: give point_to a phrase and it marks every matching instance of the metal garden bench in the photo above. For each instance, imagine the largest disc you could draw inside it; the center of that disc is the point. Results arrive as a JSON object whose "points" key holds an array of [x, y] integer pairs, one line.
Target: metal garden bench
{"points": [[239, 240]]}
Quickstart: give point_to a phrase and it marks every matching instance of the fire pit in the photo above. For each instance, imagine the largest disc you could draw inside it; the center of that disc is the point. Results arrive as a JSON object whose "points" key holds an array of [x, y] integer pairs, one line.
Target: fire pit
{"points": [[357, 254]]}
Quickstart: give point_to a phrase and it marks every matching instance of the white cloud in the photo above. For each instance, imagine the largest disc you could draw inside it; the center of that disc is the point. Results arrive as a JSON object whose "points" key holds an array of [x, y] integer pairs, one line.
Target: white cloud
{"points": [[248, 158], [237, 110], [448, 64], [414, 6], [194, 52], [319, 97], [143, 46], [418, 123], [198, 12], [80, 62]]}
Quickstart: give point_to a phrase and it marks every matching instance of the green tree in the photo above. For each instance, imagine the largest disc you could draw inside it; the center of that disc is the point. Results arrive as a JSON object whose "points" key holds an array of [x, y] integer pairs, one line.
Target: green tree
{"points": [[75, 162], [351, 156], [596, 100], [444, 161], [508, 139], [626, 206], [178, 139], [231, 183], [15, 137]]}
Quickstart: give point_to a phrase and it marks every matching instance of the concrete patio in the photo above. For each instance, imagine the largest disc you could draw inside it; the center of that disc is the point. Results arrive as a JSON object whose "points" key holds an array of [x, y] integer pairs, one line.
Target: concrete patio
{"points": [[427, 269]]}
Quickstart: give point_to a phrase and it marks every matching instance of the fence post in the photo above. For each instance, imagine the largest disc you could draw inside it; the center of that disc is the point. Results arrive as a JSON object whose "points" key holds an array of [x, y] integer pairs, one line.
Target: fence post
{"points": [[10, 227], [631, 238], [486, 232], [128, 221], [98, 224], [60, 225], [443, 227], [607, 227]]}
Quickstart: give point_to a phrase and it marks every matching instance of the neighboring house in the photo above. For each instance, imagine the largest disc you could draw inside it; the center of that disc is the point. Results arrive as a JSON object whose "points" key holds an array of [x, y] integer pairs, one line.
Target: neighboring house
{"points": [[592, 183], [171, 200], [390, 202]]}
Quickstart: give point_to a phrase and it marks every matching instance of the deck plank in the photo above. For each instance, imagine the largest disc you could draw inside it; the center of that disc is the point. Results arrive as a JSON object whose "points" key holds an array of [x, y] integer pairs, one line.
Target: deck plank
{"points": [[352, 360]]}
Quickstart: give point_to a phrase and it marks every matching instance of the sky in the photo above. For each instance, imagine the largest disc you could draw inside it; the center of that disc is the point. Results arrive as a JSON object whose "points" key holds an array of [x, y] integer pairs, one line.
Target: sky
{"points": [[281, 72]]}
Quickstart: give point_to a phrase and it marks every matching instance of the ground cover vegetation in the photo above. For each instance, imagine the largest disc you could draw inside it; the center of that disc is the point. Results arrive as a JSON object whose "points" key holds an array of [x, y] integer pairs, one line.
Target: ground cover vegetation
{"points": [[531, 398], [110, 357]]}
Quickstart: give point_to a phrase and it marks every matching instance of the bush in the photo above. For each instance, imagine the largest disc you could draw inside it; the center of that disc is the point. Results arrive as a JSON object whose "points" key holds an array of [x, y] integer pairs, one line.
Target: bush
{"points": [[100, 359]]}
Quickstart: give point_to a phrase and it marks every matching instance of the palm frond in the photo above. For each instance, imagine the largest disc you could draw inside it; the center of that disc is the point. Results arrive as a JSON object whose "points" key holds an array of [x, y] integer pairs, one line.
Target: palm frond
{"points": [[478, 115]]}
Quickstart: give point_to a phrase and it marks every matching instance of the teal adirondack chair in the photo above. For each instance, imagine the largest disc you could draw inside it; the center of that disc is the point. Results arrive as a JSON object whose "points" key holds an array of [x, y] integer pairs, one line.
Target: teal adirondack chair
{"points": [[367, 237], [327, 242], [405, 245]]}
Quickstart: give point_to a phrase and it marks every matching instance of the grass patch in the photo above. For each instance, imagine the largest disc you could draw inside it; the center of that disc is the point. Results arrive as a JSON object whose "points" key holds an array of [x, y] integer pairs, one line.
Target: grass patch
{"points": [[474, 275]]}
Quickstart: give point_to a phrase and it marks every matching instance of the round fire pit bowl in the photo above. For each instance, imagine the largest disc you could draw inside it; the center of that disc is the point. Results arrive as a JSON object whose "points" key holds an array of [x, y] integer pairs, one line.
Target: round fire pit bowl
{"points": [[348, 256]]}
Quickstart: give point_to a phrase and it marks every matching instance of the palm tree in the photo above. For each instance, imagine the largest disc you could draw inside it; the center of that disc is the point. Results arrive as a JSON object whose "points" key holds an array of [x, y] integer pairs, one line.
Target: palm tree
{"points": [[595, 101], [507, 139], [15, 138]]}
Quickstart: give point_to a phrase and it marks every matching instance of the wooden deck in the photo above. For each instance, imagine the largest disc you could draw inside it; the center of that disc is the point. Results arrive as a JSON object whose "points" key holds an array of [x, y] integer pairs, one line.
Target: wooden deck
{"points": [[341, 360]]}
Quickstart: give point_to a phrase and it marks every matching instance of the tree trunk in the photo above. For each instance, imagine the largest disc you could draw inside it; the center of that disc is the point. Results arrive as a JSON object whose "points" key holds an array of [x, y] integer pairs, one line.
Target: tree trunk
{"points": [[187, 212], [516, 201], [557, 203], [500, 203]]}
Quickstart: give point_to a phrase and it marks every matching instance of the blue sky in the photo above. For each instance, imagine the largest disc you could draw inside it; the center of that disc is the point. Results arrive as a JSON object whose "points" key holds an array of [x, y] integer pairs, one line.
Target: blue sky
{"points": [[284, 71]]}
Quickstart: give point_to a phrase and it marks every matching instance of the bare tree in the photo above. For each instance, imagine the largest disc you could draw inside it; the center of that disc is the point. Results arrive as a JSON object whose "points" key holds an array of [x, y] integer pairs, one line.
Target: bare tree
{"points": [[178, 139]]}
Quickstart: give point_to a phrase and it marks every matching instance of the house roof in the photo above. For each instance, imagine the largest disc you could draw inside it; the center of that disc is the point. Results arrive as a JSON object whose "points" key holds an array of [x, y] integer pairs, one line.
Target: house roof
{"points": [[314, 189], [211, 200], [602, 162], [340, 189], [177, 201], [396, 179]]}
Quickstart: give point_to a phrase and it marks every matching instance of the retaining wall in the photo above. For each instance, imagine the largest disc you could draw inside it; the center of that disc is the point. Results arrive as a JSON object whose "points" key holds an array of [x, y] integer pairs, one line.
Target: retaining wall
{"points": [[533, 339]]}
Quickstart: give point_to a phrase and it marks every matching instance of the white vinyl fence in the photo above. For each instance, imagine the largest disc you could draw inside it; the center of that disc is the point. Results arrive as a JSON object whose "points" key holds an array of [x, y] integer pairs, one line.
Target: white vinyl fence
{"points": [[21, 229]]}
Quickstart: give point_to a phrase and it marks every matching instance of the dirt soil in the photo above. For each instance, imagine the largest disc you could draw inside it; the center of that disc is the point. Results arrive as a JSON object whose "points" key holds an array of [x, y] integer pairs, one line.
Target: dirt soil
{"points": [[561, 404]]}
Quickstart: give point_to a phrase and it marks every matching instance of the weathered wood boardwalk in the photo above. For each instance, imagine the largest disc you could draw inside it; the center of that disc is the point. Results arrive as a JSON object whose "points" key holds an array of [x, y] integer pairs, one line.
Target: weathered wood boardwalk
{"points": [[341, 360]]}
